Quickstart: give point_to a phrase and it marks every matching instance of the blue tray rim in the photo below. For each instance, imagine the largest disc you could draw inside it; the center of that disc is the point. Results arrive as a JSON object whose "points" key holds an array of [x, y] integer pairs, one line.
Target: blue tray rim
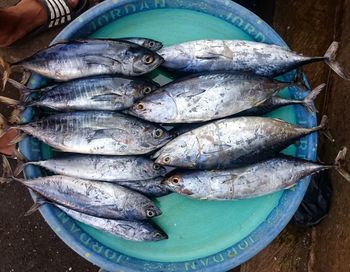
{"points": [[289, 201]]}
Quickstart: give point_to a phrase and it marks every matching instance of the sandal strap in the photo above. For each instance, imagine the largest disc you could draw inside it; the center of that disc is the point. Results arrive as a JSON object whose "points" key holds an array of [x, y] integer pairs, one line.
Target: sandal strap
{"points": [[58, 12]]}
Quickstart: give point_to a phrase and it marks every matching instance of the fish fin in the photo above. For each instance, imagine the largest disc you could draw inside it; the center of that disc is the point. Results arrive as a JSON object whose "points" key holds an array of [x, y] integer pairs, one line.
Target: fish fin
{"points": [[324, 129], [6, 67], [39, 201], [18, 155], [105, 97], [20, 167], [6, 170], [99, 60], [192, 93], [9, 101], [299, 80], [330, 56], [15, 116], [339, 164], [3, 125], [25, 77], [308, 101], [25, 92], [19, 138]]}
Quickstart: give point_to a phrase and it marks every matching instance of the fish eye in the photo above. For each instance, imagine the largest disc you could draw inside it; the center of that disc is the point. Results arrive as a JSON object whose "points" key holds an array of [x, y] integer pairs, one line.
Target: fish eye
{"points": [[156, 166], [140, 106], [148, 59], [151, 43], [157, 235], [175, 180], [150, 213], [166, 159], [147, 90], [157, 133]]}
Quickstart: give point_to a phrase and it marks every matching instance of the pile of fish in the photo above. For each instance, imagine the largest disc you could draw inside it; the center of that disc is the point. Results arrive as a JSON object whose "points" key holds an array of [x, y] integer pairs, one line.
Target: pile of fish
{"points": [[118, 125]]}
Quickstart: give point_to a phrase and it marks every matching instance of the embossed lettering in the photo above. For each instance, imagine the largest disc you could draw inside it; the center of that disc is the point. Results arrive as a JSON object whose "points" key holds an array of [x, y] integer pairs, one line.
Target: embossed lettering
{"points": [[232, 253], [205, 262], [243, 245], [260, 37], [129, 7], [97, 247], [144, 5], [110, 254], [190, 266], [218, 260], [249, 29], [159, 3], [85, 239], [74, 228], [64, 217], [102, 20], [115, 13], [237, 21]]}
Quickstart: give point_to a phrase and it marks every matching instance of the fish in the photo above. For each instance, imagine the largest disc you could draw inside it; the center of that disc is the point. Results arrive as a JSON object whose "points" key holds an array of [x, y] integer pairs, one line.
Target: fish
{"points": [[262, 178], [205, 97], [141, 231], [232, 142], [94, 132], [103, 168], [242, 56], [74, 59], [95, 198], [149, 187], [145, 42], [92, 93]]}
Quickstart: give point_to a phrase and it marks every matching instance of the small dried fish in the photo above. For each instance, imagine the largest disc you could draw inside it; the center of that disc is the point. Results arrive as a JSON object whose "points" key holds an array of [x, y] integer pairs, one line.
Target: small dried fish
{"points": [[249, 181], [243, 56], [130, 230]]}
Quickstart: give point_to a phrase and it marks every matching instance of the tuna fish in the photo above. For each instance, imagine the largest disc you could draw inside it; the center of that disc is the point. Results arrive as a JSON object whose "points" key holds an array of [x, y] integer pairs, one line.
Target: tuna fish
{"points": [[231, 142], [249, 181], [243, 56]]}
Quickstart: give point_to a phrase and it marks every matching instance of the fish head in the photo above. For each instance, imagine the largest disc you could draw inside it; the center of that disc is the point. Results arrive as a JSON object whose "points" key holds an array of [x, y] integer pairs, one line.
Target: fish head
{"points": [[156, 169], [177, 183], [151, 232], [144, 61], [155, 136], [152, 44], [144, 87], [175, 57], [157, 107], [180, 152]]}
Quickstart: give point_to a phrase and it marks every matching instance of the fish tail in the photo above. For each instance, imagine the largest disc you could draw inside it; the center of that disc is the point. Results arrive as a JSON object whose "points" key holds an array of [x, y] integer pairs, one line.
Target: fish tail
{"points": [[21, 164], [17, 106], [332, 63], [25, 92], [38, 202], [6, 170], [309, 100], [4, 127], [340, 162], [324, 129], [6, 67]]}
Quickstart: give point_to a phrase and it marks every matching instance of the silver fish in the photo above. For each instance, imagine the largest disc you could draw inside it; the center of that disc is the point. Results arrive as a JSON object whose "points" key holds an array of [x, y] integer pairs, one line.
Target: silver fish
{"points": [[92, 93], [96, 198], [145, 42], [249, 181], [243, 56], [141, 231], [150, 187], [81, 58], [230, 142], [96, 132], [104, 168], [206, 97]]}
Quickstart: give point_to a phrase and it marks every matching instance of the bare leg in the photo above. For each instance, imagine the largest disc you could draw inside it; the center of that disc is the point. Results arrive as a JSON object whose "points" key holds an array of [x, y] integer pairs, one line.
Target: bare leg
{"points": [[18, 20]]}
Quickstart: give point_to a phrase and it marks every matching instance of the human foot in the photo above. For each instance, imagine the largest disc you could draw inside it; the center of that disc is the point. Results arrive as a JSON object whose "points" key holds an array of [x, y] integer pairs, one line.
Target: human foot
{"points": [[23, 18]]}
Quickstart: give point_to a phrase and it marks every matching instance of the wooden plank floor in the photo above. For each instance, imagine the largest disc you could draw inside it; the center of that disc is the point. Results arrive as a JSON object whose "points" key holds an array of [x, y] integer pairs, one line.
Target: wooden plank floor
{"points": [[308, 27]]}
